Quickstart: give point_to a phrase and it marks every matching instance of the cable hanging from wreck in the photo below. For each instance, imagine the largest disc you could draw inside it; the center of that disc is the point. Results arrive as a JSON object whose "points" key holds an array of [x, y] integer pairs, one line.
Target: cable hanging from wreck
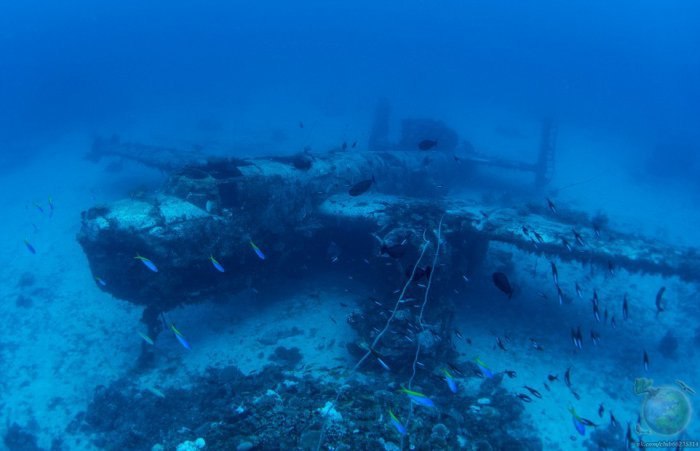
{"points": [[420, 321], [424, 248]]}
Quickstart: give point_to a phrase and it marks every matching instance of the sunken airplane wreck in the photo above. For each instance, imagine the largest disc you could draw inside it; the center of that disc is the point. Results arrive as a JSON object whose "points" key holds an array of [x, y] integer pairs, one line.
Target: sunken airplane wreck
{"points": [[222, 225]]}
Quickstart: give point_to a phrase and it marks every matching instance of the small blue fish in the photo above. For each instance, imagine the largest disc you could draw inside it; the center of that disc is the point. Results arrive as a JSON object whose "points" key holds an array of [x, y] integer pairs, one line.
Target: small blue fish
{"points": [[180, 338], [147, 263], [156, 392], [257, 250], [216, 264], [418, 398], [39, 207], [450, 381], [383, 364], [50, 207], [577, 422], [378, 356], [146, 338], [29, 247], [396, 423], [101, 281], [484, 369]]}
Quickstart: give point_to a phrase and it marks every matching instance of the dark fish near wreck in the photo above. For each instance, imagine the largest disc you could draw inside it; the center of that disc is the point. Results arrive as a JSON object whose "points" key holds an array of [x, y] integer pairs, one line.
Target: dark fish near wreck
{"points": [[427, 144], [538, 237], [394, 251], [361, 187], [611, 268], [524, 397], [660, 303], [566, 244], [455, 370], [613, 420], [378, 356], [587, 422], [560, 295], [500, 344], [533, 391], [420, 273], [574, 338], [646, 361], [302, 161], [502, 283], [577, 337]]}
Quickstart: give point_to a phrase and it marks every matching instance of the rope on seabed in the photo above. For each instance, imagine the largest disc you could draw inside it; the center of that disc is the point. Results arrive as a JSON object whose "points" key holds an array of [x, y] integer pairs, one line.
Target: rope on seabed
{"points": [[420, 322], [378, 337]]}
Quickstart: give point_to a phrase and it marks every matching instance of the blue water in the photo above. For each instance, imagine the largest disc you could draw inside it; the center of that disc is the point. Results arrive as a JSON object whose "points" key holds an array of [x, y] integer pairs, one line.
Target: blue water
{"points": [[238, 78]]}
